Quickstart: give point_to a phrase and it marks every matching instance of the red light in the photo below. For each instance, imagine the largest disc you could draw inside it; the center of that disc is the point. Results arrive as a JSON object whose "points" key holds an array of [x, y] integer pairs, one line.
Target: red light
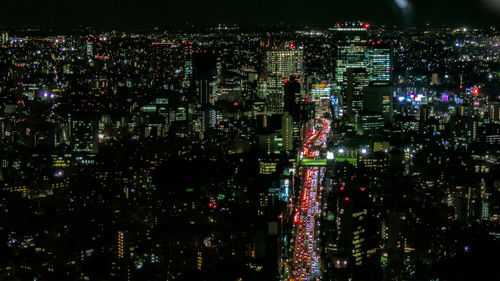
{"points": [[342, 188], [367, 25], [475, 91], [292, 45], [236, 104], [286, 80], [210, 205], [461, 86], [362, 189], [346, 199], [307, 100], [215, 206]]}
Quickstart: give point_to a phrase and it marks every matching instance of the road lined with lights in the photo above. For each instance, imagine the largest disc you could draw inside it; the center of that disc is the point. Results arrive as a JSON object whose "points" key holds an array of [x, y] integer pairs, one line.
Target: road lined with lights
{"points": [[305, 263]]}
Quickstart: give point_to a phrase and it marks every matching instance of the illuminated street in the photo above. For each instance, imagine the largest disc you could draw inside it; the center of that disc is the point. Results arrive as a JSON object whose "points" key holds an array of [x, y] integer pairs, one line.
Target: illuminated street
{"points": [[306, 261]]}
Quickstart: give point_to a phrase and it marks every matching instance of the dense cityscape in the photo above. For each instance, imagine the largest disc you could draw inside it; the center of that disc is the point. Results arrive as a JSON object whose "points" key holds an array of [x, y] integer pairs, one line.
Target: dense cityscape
{"points": [[357, 151]]}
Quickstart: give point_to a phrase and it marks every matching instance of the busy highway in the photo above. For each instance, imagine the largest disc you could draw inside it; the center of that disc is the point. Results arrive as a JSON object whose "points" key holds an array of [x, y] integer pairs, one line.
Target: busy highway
{"points": [[305, 264]]}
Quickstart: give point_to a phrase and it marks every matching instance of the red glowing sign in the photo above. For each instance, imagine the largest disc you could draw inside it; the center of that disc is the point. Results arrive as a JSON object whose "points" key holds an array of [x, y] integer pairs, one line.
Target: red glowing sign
{"points": [[236, 104], [341, 188], [346, 199], [362, 188], [475, 91], [367, 25], [292, 45]]}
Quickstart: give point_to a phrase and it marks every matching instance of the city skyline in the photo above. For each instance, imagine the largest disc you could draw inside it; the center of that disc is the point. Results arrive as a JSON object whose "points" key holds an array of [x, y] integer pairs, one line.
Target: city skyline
{"points": [[353, 151]]}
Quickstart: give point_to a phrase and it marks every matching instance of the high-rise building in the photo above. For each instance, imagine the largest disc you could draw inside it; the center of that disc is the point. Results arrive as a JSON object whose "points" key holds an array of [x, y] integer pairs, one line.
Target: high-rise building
{"points": [[378, 99], [287, 131], [349, 56], [352, 231], [292, 98], [360, 65], [205, 75], [379, 59], [281, 64], [354, 82]]}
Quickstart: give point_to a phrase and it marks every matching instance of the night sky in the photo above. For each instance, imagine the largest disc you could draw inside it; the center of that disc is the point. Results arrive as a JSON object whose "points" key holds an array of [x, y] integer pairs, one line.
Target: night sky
{"points": [[140, 13]]}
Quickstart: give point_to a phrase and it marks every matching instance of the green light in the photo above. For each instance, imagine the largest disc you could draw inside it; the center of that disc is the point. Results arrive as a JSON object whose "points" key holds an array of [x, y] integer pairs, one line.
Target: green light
{"points": [[313, 162], [350, 160]]}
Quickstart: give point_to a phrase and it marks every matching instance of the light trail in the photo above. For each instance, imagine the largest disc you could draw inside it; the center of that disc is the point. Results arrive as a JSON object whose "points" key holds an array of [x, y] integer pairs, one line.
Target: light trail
{"points": [[306, 252]]}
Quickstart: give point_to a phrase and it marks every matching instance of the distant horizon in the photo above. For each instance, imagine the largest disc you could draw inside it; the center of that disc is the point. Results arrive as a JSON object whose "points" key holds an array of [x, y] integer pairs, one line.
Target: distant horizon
{"points": [[201, 27], [127, 14]]}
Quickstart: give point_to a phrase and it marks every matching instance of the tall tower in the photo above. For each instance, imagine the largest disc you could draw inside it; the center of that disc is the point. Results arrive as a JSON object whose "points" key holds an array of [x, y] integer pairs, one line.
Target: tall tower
{"points": [[352, 231], [281, 64], [379, 64], [205, 75], [287, 131], [355, 81]]}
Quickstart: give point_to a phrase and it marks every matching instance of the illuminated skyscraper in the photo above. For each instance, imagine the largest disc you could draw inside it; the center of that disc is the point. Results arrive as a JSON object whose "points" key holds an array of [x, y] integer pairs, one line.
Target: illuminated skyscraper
{"points": [[379, 64], [281, 65], [354, 82], [287, 131], [349, 57], [360, 65], [205, 76]]}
